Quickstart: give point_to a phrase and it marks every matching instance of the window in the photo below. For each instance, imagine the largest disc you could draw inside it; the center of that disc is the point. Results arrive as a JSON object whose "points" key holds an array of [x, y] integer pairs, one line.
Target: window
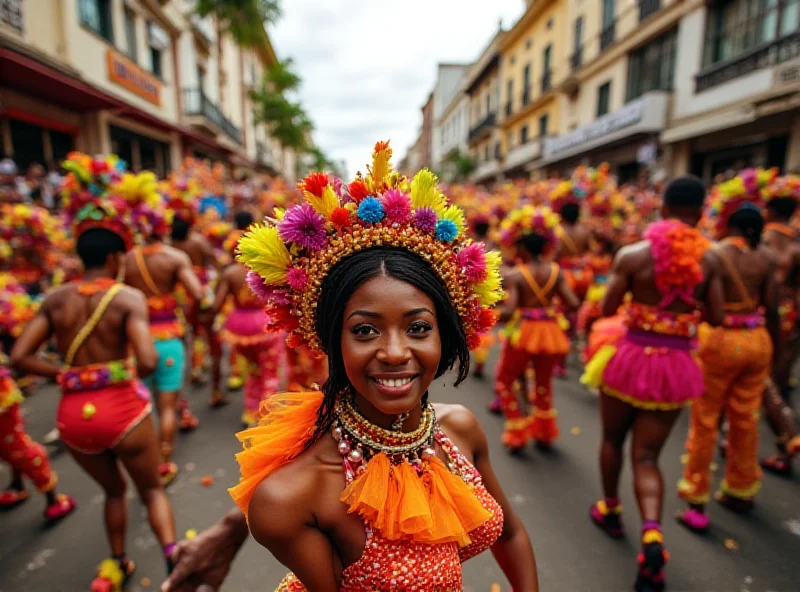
{"points": [[652, 66], [96, 16], [486, 153], [155, 61], [523, 134], [130, 34], [546, 77], [736, 26], [488, 103], [497, 151], [543, 125], [528, 42], [201, 78], [510, 97], [526, 85], [510, 139], [607, 30], [603, 98], [578, 39]]}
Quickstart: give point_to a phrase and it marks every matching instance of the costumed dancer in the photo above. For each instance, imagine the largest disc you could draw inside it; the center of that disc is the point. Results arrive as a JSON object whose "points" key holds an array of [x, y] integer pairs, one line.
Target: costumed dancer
{"points": [[650, 375], [735, 359], [574, 240], [782, 195], [25, 457], [389, 286], [156, 269], [245, 330], [104, 413], [534, 337], [479, 225]]}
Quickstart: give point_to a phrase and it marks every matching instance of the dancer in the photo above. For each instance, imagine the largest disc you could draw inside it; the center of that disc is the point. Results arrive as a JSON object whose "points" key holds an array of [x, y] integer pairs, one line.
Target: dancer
{"points": [[534, 337], [736, 360], [651, 375], [156, 269], [25, 457], [245, 331], [104, 413], [782, 194], [390, 322], [479, 224]]}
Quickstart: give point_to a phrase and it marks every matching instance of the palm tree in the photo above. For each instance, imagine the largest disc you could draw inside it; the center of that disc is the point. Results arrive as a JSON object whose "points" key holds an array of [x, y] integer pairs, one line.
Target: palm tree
{"points": [[243, 19]]}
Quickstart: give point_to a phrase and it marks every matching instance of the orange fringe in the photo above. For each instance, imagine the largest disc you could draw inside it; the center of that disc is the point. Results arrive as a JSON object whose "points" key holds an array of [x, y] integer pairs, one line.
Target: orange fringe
{"points": [[541, 337], [436, 507], [287, 423]]}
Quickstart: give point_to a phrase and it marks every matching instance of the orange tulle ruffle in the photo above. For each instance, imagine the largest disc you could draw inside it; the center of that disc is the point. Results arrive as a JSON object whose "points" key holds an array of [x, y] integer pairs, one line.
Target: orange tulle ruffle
{"points": [[540, 337], [433, 507], [287, 423]]}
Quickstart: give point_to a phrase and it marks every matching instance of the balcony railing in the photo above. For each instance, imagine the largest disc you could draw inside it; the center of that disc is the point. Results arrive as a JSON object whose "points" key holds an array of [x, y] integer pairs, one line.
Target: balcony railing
{"points": [[607, 35], [526, 97], [648, 8], [576, 59], [484, 126], [509, 108], [762, 56], [547, 81], [195, 102]]}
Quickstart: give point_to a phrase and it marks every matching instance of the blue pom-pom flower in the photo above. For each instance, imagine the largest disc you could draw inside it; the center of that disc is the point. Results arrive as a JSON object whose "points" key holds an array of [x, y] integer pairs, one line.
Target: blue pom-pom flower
{"points": [[370, 210], [446, 231]]}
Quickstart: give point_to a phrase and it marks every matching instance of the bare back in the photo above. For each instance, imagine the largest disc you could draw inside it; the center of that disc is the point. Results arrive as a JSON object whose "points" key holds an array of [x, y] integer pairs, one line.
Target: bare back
{"points": [[786, 255], [67, 311], [575, 242], [754, 269], [197, 247], [162, 266], [236, 276]]}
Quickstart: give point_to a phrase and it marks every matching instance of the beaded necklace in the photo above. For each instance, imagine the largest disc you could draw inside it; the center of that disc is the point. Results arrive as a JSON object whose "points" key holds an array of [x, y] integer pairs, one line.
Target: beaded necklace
{"points": [[94, 286], [360, 440], [783, 229], [736, 241]]}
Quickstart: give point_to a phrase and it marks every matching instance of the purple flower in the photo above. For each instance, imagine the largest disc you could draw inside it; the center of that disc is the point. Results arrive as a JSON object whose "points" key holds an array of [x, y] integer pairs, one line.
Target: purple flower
{"points": [[425, 220], [397, 206], [303, 226], [257, 285]]}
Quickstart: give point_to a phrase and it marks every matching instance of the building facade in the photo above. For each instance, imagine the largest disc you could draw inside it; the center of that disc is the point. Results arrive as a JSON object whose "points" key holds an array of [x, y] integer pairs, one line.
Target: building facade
{"points": [[482, 86], [145, 79], [534, 62], [448, 130], [737, 94]]}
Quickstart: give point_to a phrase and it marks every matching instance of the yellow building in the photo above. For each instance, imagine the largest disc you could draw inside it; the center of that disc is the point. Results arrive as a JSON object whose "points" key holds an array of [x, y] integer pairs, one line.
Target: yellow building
{"points": [[533, 56]]}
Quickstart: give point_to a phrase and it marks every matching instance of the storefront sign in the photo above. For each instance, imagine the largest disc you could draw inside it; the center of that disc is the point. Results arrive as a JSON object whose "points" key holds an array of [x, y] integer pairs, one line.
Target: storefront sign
{"points": [[11, 13], [130, 76], [629, 115], [787, 74]]}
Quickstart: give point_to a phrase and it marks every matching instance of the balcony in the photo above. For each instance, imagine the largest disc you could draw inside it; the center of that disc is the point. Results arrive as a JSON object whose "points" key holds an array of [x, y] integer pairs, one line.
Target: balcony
{"points": [[523, 156], [547, 81], [762, 56], [486, 171], [483, 129], [576, 59], [607, 35], [648, 8], [197, 104]]}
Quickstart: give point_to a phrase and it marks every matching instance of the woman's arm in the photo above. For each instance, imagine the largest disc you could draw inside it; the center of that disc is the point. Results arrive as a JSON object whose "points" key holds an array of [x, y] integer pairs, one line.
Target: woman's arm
{"points": [[281, 520], [513, 550]]}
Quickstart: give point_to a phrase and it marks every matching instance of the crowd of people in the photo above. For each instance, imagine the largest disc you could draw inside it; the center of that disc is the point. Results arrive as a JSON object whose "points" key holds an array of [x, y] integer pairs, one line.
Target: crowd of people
{"points": [[339, 304]]}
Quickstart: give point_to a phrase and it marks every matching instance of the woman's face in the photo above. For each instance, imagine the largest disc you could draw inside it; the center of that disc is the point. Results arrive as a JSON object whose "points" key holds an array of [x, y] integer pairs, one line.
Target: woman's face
{"points": [[390, 343]]}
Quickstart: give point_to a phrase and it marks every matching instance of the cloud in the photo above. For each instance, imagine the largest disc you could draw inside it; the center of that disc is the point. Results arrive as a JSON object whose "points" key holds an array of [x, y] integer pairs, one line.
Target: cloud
{"points": [[368, 66]]}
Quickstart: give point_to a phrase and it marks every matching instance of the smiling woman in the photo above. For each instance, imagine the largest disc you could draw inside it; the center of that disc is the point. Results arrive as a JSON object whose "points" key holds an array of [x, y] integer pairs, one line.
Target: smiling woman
{"points": [[367, 485]]}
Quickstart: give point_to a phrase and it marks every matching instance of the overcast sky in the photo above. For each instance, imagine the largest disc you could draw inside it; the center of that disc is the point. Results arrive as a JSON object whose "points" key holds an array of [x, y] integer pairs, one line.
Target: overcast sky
{"points": [[368, 65]]}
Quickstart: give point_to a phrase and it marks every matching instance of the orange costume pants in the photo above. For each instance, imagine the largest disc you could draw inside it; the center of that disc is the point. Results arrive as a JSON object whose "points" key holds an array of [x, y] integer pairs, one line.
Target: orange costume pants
{"points": [[23, 454], [735, 364]]}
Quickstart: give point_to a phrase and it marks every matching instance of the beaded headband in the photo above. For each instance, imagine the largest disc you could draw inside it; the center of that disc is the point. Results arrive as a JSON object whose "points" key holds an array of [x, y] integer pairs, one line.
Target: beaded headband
{"points": [[86, 198], [289, 257], [529, 219]]}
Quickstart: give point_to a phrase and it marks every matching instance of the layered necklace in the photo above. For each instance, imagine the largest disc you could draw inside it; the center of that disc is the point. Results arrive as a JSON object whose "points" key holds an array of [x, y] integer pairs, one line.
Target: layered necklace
{"points": [[360, 440]]}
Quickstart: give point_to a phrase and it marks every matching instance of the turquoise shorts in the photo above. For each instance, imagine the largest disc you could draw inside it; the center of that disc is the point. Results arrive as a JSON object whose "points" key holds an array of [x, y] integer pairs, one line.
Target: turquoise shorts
{"points": [[168, 376]]}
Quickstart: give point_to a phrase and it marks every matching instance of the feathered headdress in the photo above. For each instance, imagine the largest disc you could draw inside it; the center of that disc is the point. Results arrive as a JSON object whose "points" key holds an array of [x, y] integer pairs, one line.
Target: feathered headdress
{"points": [[25, 230], [529, 219], [784, 187], [146, 206], [289, 257], [86, 196], [583, 184], [16, 306], [746, 187]]}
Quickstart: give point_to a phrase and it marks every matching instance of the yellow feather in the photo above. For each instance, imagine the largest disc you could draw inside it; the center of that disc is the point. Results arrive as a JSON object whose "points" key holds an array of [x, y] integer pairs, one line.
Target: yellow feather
{"points": [[490, 291], [456, 216], [262, 250], [380, 164], [323, 205], [424, 193]]}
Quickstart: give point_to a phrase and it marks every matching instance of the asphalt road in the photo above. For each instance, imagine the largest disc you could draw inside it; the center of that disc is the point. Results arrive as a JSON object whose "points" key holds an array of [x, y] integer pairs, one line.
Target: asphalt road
{"points": [[552, 492]]}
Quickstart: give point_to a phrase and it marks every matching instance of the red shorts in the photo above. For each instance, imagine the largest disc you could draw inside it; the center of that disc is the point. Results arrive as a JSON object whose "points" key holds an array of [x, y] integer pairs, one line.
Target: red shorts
{"points": [[94, 421]]}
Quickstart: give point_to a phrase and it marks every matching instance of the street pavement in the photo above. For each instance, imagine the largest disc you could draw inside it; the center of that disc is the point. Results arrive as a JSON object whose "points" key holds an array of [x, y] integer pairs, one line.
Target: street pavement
{"points": [[552, 492]]}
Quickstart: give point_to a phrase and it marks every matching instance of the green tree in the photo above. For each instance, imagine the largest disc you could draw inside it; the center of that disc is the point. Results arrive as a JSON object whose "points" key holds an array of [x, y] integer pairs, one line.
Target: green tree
{"points": [[286, 120], [460, 165], [243, 19]]}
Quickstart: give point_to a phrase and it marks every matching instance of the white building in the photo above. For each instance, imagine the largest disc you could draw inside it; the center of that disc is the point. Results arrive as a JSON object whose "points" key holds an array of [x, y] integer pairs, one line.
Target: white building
{"points": [[447, 94]]}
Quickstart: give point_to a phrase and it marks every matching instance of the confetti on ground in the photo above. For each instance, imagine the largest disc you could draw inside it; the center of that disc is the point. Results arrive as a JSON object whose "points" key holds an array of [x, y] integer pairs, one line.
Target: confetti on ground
{"points": [[714, 466], [207, 481], [190, 534], [731, 545], [145, 582], [575, 431], [495, 587], [684, 458]]}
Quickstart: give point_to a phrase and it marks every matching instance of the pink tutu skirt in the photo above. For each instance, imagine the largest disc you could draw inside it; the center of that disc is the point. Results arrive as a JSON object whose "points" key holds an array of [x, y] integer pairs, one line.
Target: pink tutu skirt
{"points": [[653, 371], [246, 326]]}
